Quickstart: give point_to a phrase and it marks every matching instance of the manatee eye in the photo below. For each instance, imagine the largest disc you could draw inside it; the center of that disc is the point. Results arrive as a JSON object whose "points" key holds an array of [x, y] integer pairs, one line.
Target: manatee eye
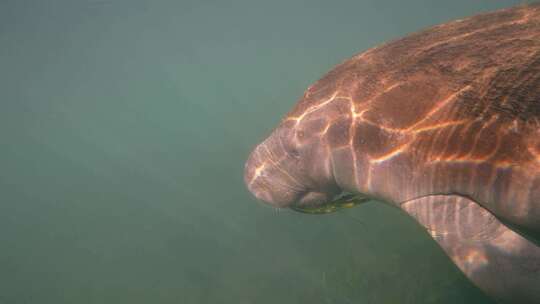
{"points": [[294, 153], [289, 143], [290, 148], [293, 149]]}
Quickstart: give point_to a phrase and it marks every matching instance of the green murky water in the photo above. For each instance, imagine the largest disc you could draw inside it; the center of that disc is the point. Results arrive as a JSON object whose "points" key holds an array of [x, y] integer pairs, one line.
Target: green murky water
{"points": [[124, 128]]}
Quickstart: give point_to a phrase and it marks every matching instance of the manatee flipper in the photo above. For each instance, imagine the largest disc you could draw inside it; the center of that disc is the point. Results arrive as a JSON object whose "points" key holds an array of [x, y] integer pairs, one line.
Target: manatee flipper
{"points": [[498, 260]]}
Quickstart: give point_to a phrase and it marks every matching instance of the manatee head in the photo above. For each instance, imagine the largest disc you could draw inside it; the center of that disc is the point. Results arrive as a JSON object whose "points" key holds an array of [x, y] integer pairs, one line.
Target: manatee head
{"points": [[292, 167]]}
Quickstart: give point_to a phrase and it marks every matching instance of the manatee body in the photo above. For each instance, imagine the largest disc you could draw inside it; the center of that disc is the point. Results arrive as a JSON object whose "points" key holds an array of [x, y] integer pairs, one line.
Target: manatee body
{"points": [[444, 124]]}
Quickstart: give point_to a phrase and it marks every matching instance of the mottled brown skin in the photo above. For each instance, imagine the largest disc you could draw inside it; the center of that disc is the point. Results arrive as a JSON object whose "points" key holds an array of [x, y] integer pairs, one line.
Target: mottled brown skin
{"points": [[446, 117]]}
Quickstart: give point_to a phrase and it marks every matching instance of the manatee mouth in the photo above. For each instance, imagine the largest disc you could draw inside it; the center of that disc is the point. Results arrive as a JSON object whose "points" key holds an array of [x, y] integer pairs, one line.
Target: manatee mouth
{"points": [[341, 201]]}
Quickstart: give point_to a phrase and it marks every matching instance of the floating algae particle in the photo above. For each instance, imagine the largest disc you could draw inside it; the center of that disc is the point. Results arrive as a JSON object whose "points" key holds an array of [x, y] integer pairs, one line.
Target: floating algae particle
{"points": [[341, 202]]}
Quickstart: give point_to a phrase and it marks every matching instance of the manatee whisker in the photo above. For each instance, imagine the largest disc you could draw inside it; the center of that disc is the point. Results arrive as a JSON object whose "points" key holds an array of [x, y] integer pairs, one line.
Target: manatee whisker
{"points": [[353, 218]]}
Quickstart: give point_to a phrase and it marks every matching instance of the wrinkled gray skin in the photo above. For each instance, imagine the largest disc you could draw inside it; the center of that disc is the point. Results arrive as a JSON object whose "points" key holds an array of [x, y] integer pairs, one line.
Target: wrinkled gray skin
{"points": [[443, 124]]}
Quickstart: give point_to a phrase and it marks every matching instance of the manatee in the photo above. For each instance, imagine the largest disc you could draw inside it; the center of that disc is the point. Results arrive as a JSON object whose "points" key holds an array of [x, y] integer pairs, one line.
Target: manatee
{"points": [[443, 124]]}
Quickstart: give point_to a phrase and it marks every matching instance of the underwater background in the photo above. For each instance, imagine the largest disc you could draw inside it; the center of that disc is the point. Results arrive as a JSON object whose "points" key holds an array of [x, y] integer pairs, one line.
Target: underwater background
{"points": [[124, 127]]}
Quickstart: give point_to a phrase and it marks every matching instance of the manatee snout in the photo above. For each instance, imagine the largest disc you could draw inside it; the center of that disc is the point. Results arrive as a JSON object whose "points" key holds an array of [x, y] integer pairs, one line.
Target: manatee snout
{"points": [[267, 178], [280, 173]]}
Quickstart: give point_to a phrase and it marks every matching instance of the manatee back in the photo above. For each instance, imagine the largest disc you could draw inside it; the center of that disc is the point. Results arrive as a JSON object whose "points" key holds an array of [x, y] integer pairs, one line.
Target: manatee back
{"points": [[457, 104]]}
